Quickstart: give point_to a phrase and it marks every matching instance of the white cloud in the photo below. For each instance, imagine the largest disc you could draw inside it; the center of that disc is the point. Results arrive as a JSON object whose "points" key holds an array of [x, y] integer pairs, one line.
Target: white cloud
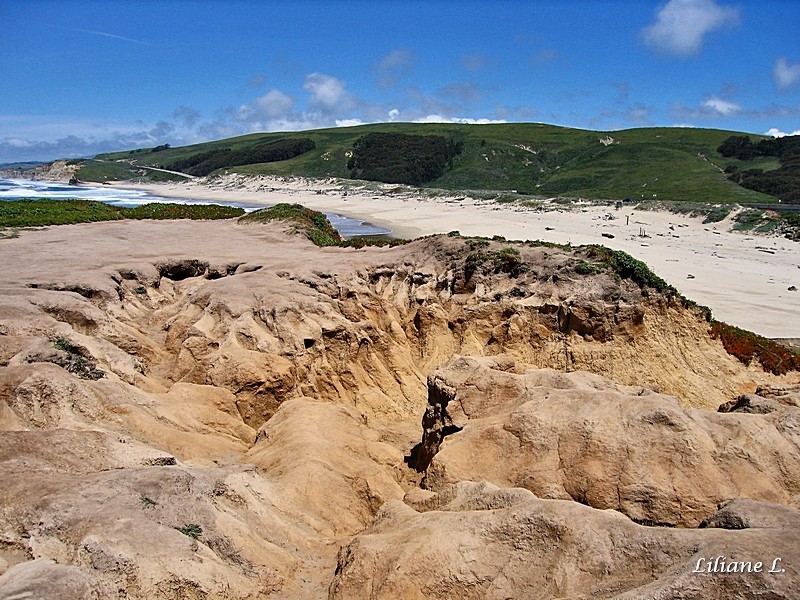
{"points": [[18, 143], [722, 107], [681, 25], [786, 74], [348, 122], [393, 114], [463, 120], [775, 132], [327, 92], [273, 103]]}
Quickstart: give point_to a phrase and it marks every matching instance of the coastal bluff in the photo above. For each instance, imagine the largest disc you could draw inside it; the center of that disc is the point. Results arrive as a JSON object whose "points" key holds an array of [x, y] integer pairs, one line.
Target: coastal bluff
{"points": [[215, 409]]}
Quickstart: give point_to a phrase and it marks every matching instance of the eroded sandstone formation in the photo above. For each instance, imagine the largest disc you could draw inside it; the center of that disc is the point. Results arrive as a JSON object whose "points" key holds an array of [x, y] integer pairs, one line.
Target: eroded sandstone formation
{"points": [[212, 410], [578, 436], [480, 541]]}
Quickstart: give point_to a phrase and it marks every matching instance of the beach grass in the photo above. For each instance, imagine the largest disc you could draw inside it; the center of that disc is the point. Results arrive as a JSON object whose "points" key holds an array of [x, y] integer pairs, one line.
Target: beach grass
{"points": [[41, 212]]}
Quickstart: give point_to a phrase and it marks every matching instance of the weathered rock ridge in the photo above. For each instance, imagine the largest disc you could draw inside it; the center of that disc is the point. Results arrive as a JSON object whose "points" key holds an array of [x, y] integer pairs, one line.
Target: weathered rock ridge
{"points": [[211, 410], [577, 436]]}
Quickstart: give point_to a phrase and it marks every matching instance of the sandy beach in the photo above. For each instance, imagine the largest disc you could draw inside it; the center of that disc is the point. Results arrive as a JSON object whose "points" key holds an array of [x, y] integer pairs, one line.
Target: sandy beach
{"points": [[744, 279]]}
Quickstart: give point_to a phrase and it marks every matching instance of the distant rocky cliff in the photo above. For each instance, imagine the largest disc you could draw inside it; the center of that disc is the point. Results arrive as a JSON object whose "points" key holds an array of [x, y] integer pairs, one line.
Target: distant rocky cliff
{"points": [[58, 170]]}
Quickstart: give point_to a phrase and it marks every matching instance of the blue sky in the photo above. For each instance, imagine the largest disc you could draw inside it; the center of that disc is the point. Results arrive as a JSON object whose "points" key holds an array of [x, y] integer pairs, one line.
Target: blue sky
{"points": [[80, 78]]}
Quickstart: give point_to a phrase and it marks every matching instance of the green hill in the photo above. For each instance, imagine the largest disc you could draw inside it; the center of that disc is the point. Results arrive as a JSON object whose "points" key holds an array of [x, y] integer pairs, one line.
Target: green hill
{"points": [[529, 158]]}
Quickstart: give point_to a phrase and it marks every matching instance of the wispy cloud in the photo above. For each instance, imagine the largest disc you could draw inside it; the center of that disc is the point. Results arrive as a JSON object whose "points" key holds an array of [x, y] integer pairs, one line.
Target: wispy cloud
{"points": [[681, 25], [104, 34], [721, 106], [714, 108], [113, 36], [786, 74], [474, 62], [17, 149], [394, 66], [544, 56], [463, 91], [188, 117]]}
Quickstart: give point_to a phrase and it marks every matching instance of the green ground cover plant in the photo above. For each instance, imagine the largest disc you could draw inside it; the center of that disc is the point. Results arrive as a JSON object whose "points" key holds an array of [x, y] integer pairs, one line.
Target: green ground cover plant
{"points": [[42, 212], [193, 530]]}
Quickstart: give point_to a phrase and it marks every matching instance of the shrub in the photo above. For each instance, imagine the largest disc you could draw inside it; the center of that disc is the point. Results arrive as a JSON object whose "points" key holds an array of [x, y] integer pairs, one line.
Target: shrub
{"points": [[586, 268], [64, 345], [627, 267], [508, 261], [476, 243], [717, 214], [193, 530], [203, 163], [401, 158], [783, 182]]}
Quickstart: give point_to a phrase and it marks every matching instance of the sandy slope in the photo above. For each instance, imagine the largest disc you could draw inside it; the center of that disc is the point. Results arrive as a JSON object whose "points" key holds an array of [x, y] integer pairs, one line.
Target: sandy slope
{"points": [[744, 279], [209, 409]]}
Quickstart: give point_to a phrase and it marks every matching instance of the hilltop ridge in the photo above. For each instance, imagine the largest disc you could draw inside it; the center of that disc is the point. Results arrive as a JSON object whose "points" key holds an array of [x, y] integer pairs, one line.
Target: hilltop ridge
{"points": [[667, 163]]}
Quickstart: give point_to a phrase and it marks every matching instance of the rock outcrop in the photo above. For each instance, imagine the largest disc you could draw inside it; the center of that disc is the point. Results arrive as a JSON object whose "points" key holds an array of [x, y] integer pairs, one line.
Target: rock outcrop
{"points": [[212, 410], [479, 541], [581, 437]]}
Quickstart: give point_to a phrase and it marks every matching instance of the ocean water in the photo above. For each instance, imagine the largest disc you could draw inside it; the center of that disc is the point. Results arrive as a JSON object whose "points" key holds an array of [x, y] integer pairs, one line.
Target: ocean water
{"points": [[17, 189]]}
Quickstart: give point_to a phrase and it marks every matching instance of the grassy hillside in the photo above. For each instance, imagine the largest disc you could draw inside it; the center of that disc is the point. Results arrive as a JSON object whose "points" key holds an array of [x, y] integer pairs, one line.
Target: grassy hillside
{"points": [[531, 158]]}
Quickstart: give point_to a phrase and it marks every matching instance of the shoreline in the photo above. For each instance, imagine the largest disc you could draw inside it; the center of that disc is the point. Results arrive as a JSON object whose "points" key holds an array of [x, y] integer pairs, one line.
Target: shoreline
{"points": [[743, 278]]}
